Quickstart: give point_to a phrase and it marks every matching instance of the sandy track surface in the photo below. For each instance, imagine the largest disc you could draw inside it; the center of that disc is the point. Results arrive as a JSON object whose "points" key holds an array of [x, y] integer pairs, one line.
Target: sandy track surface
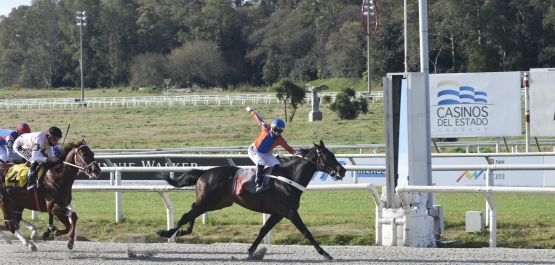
{"points": [[55, 252]]}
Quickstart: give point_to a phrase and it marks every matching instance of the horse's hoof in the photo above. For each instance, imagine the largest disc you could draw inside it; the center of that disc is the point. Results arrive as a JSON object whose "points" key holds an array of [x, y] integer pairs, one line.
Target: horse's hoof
{"points": [[162, 233], [258, 255], [69, 245], [34, 236], [328, 257], [32, 247]]}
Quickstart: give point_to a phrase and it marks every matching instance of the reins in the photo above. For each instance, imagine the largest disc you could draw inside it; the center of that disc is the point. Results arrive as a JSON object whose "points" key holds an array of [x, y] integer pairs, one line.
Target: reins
{"points": [[293, 183]]}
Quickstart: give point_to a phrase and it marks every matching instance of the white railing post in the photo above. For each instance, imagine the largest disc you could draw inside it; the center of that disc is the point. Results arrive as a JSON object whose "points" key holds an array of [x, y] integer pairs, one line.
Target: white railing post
{"points": [[169, 214], [118, 197]]}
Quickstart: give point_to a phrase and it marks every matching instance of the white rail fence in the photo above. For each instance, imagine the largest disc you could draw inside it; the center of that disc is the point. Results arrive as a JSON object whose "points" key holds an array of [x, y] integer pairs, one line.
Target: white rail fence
{"points": [[488, 189], [192, 100], [545, 145]]}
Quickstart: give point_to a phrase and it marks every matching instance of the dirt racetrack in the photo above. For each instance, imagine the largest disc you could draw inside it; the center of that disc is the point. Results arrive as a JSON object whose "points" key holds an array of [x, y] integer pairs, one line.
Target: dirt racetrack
{"points": [[55, 252]]}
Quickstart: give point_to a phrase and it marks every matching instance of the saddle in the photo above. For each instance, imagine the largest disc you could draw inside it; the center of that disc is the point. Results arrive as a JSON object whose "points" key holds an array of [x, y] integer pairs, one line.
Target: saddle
{"points": [[17, 175], [244, 180]]}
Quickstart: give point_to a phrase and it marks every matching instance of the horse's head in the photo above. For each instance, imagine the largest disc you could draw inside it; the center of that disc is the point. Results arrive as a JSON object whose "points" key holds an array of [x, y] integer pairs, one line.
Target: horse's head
{"points": [[326, 162], [80, 156]]}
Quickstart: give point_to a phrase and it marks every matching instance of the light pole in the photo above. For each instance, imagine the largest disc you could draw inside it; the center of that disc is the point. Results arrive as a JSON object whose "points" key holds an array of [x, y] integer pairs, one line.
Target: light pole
{"points": [[81, 22], [369, 11]]}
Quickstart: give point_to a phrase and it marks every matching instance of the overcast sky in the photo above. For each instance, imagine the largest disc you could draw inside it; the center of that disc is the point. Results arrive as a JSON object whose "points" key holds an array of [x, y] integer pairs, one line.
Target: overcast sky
{"points": [[7, 5]]}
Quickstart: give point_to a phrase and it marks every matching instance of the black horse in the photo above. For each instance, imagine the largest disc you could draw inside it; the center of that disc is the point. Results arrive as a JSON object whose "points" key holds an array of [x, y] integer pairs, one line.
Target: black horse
{"points": [[214, 191]]}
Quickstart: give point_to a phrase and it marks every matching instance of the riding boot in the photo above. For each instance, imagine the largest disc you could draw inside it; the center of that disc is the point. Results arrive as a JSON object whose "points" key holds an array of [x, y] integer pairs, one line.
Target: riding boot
{"points": [[32, 177], [260, 179]]}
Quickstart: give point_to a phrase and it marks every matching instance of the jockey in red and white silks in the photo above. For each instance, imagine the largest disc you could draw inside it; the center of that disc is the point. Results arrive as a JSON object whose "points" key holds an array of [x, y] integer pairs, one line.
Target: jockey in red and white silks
{"points": [[30, 147]]}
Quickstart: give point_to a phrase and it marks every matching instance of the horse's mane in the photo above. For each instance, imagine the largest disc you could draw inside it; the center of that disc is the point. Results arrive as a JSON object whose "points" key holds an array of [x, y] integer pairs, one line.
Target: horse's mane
{"points": [[286, 161], [62, 155]]}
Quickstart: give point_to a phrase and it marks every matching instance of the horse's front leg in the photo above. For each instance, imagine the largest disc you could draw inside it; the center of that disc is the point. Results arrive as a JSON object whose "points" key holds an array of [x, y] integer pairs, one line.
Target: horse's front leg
{"points": [[69, 219], [268, 225], [50, 227], [298, 222]]}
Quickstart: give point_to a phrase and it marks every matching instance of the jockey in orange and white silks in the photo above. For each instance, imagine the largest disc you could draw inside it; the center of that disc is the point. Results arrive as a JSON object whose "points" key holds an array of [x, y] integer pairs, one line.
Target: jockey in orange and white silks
{"points": [[260, 152], [7, 138], [30, 147]]}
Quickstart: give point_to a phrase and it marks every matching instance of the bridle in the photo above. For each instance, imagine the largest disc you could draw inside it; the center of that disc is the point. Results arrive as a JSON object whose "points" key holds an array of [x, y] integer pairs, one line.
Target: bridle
{"points": [[320, 166], [76, 155]]}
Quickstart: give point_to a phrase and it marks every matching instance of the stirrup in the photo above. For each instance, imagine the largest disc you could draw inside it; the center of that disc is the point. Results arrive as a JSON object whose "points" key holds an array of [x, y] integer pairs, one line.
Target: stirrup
{"points": [[262, 188]]}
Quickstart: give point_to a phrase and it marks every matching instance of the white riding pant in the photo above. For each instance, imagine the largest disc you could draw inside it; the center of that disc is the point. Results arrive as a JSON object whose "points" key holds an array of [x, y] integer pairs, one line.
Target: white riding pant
{"points": [[266, 159], [4, 154]]}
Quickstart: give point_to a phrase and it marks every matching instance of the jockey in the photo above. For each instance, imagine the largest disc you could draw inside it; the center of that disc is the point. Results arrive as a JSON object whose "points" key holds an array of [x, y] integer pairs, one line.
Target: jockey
{"points": [[30, 145], [260, 152], [7, 138]]}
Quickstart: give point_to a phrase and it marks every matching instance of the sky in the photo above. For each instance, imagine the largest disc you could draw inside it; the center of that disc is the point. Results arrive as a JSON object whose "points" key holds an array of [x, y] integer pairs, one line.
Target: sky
{"points": [[7, 5]]}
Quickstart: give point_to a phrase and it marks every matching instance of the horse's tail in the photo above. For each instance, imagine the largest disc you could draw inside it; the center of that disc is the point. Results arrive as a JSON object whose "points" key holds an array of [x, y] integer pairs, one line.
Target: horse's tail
{"points": [[189, 178]]}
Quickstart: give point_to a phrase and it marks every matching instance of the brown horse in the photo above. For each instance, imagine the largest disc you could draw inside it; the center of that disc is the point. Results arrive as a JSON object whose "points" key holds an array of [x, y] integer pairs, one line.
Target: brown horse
{"points": [[54, 192], [214, 191]]}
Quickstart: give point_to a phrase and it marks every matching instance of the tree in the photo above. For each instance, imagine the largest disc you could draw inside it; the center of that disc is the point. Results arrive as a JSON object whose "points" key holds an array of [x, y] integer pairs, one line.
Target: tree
{"points": [[199, 62], [118, 42], [286, 90], [346, 49], [347, 106], [149, 70], [270, 71]]}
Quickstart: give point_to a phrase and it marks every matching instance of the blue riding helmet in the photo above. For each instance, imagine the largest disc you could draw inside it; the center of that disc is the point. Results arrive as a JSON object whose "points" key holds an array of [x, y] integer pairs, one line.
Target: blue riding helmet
{"points": [[278, 124]]}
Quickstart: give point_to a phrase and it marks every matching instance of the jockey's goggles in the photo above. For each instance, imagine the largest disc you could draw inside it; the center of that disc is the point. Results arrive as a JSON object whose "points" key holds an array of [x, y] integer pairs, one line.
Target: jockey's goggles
{"points": [[277, 129]]}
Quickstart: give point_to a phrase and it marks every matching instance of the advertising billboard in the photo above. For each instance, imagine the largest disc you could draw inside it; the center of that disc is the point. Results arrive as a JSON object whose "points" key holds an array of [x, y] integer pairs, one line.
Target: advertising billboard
{"points": [[475, 105]]}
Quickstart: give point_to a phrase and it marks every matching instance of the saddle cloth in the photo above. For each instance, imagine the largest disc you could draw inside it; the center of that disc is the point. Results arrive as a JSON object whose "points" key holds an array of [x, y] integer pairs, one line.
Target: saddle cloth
{"points": [[244, 180], [17, 175]]}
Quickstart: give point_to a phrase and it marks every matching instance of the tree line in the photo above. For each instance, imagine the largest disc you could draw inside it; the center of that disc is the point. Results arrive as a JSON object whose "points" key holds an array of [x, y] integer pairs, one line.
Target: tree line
{"points": [[236, 43]]}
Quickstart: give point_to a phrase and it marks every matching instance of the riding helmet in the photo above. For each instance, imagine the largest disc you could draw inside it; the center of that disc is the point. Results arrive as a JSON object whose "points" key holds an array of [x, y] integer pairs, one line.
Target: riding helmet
{"points": [[279, 123], [55, 131], [23, 128]]}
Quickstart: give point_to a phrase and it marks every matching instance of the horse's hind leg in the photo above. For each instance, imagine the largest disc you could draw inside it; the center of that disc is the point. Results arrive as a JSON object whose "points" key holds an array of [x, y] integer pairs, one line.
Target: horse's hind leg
{"points": [[34, 232], [298, 222], [190, 216], [14, 228], [268, 225], [4, 236], [7, 223], [189, 229], [25, 241]]}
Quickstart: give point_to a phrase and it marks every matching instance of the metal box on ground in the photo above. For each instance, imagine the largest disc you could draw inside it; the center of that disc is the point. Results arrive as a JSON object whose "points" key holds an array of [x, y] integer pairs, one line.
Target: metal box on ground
{"points": [[474, 221]]}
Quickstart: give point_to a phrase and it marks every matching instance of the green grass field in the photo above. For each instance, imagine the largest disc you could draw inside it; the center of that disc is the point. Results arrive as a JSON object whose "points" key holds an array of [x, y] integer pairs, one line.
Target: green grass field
{"points": [[334, 217]]}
